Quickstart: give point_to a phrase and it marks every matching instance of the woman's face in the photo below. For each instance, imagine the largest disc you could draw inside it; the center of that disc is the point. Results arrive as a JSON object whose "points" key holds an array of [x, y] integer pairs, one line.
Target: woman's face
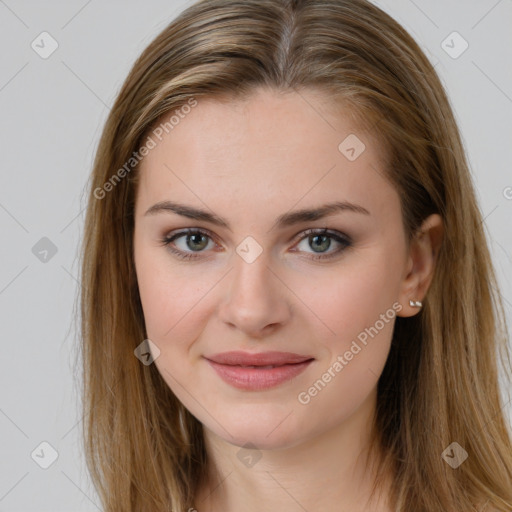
{"points": [[256, 281]]}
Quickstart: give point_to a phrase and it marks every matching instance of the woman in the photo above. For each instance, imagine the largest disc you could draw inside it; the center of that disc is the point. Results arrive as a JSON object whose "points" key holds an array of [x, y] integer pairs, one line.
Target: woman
{"points": [[288, 299]]}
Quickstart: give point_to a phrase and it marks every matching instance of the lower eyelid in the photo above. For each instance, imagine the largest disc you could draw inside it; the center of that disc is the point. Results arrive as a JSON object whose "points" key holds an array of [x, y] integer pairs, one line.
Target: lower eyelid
{"points": [[343, 240], [170, 240], [343, 244]]}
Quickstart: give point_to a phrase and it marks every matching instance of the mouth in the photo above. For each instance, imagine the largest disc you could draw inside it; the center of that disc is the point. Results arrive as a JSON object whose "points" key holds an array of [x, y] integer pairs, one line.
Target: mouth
{"points": [[257, 372]]}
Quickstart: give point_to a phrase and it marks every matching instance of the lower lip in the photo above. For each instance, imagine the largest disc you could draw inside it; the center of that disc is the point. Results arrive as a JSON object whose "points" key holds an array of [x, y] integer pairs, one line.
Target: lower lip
{"points": [[256, 379]]}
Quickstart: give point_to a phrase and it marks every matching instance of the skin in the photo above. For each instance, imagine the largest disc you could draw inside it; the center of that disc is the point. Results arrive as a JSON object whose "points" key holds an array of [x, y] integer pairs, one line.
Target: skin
{"points": [[249, 162]]}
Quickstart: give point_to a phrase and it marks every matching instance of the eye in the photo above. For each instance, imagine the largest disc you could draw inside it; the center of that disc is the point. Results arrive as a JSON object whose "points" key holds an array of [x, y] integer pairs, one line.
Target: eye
{"points": [[197, 240], [194, 239], [320, 240]]}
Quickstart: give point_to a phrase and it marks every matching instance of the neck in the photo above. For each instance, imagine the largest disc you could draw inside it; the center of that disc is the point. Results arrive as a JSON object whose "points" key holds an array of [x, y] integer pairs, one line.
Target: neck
{"points": [[333, 470]]}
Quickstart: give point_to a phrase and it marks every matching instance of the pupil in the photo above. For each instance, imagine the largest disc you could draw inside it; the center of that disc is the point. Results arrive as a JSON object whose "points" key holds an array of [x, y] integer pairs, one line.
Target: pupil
{"points": [[193, 237], [326, 241], [315, 237]]}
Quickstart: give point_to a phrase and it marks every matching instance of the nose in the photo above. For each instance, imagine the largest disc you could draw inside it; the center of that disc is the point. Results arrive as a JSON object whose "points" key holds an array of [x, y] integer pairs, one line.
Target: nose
{"points": [[256, 298]]}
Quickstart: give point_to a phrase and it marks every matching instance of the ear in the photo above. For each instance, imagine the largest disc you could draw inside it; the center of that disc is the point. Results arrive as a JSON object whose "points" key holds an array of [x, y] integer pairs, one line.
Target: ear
{"points": [[423, 251]]}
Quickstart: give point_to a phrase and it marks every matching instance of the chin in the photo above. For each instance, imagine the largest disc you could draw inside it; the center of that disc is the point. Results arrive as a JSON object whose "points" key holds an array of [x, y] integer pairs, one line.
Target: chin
{"points": [[267, 428], [256, 437]]}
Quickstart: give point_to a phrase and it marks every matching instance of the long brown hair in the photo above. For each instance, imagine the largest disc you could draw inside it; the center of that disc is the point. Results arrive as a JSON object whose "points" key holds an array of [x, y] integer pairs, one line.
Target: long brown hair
{"points": [[440, 385]]}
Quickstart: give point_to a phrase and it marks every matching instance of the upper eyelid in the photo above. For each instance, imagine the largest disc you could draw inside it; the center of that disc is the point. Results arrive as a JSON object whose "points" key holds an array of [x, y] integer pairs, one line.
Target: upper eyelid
{"points": [[187, 231], [345, 241], [177, 233]]}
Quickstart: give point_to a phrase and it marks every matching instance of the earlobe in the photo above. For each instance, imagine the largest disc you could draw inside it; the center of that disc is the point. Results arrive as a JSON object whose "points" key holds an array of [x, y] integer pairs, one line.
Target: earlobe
{"points": [[421, 264]]}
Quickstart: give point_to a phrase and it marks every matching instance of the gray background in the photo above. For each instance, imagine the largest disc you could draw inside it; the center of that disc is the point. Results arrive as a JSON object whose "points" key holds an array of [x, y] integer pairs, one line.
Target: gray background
{"points": [[52, 111]]}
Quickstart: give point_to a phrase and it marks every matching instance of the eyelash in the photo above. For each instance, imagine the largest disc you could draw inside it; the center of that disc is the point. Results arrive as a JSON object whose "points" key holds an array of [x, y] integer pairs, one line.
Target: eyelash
{"points": [[338, 237]]}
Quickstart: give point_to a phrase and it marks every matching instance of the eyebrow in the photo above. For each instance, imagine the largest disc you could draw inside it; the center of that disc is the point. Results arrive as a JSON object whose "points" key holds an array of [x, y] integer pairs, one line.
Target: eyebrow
{"points": [[284, 220]]}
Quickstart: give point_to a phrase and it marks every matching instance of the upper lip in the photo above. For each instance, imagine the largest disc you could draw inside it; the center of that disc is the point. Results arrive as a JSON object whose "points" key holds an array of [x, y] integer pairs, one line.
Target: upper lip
{"points": [[240, 358]]}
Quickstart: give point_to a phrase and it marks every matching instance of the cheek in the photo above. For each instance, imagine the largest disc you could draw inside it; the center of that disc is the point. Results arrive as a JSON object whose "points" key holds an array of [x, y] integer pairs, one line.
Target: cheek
{"points": [[172, 299], [357, 314], [350, 298], [355, 306]]}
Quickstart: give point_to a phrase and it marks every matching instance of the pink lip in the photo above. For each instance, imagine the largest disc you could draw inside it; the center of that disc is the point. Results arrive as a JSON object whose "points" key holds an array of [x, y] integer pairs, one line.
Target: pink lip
{"points": [[234, 368]]}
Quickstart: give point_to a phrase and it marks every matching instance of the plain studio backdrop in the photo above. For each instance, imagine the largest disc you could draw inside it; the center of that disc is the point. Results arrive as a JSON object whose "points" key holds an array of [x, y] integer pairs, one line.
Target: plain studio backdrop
{"points": [[62, 65]]}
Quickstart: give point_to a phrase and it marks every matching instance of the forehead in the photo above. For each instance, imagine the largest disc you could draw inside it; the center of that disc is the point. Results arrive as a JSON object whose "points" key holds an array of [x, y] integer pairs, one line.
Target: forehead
{"points": [[269, 148]]}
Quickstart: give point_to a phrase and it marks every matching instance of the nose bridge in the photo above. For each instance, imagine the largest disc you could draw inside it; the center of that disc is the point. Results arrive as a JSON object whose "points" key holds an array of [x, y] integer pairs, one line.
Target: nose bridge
{"points": [[255, 297], [251, 276]]}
